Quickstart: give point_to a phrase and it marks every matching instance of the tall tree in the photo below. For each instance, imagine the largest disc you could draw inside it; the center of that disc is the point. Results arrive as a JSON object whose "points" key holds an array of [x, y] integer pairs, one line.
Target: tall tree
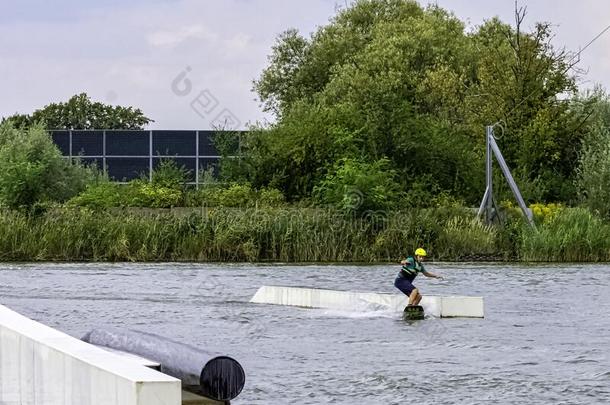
{"points": [[79, 112], [594, 161], [390, 79], [524, 84]]}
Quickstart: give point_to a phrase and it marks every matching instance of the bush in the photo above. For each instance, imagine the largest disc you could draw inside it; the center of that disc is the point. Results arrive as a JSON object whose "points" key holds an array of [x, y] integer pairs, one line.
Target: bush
{"points": [[143, 194], [137, 193], [101, 194], [235, 195], [545, 212], [33, 170], [355, 187], [166, 190], [169, 175], [270, 197]]}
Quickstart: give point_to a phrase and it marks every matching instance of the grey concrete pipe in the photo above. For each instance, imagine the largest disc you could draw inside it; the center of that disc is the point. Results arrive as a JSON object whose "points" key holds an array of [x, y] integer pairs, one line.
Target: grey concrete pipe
{"points": [[218, 377]]}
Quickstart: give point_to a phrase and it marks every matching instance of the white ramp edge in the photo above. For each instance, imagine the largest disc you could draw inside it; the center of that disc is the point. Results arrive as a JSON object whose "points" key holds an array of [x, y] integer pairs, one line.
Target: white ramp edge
{"points": [[438, 306], [40, 365]]}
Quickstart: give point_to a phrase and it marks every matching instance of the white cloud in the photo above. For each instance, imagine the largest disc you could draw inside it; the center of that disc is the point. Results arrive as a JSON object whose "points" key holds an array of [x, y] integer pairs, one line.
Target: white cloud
{"points": [[238, 42], [171, 38]]}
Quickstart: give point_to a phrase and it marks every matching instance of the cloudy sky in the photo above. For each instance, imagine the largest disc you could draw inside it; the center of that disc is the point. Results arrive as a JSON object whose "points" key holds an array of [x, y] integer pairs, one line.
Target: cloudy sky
{"points": [[130, 52]]}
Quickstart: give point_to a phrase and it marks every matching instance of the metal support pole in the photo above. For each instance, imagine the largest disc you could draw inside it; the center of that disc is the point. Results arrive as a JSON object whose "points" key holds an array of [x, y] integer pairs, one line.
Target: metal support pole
{"points": [[483, 203], [511, 182], [150, 155], [486, 206], [197, 160], [104, 166], [70, 145], [489, 175]]}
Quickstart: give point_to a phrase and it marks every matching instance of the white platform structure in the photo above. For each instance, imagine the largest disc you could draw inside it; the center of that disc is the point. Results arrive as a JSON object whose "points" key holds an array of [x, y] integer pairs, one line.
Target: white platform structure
{"points": [[188, 398], [438, 306], [43, 366]]}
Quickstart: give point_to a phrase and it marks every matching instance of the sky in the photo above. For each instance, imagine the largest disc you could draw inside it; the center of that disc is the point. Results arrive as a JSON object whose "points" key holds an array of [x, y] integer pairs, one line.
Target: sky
{"points": [[189, 64]]}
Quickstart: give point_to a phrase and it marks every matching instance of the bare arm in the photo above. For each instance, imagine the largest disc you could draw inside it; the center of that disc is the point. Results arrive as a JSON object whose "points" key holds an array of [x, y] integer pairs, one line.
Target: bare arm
{"points": [[429, 274]]}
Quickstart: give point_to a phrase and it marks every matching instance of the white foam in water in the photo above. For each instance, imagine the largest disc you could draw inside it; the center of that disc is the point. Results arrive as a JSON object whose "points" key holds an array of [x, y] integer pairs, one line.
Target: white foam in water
{"points": [[362, 310], [337, 313], [365, 314]]}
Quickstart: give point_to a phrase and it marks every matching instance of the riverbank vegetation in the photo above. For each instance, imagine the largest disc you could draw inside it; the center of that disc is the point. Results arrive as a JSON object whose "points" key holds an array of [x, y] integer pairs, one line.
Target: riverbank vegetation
{"points": [[288, 234], [378, 147]]}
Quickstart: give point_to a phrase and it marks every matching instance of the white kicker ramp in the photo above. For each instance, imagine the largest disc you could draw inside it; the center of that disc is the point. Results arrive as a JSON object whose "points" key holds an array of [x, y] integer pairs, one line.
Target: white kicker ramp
{"points": [[43, 366], [445, 307]]}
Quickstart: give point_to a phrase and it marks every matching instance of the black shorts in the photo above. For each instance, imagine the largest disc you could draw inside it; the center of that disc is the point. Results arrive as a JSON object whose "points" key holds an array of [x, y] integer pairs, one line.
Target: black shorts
{"points": [[404, 285]]}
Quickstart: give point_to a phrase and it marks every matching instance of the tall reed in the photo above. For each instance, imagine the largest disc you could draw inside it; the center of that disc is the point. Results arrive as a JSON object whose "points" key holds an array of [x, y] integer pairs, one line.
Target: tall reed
{"points": [[291, 235], [572, 235]]}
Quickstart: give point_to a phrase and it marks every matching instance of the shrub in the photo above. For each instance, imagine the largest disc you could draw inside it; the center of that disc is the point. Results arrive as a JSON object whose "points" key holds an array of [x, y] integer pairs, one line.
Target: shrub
{"points": [[545, 212], [100, 195], [143, 194], [169, 175], [235, 195], [355, 187], [270, 197], [138, 193], [33, 170]]}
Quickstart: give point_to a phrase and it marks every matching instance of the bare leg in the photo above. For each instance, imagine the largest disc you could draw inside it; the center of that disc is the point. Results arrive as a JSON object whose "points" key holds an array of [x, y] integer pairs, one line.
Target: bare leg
{"points": [[413, 297], [417, 299]]}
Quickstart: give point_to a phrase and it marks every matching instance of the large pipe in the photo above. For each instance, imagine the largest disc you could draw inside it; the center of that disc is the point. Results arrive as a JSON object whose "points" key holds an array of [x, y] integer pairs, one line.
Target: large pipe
{"points": [[218, 377]]}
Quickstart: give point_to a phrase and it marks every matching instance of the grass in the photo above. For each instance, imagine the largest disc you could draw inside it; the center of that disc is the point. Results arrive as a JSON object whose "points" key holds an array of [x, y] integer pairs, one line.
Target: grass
{"points": [[292, 235], [573, 235]]}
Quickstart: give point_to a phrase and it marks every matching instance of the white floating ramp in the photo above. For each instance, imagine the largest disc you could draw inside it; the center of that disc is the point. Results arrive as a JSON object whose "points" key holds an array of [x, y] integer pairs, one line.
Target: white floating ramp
{"points": [[438, 306], [43, 366]]}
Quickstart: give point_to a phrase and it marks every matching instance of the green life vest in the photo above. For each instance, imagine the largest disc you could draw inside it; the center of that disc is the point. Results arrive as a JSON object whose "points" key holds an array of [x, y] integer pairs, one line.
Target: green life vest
{"points": [[411, 268]]}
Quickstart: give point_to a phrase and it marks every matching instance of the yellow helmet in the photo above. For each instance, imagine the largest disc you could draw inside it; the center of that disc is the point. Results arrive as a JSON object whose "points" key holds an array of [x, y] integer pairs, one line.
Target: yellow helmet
{"points": [[420, 252]]}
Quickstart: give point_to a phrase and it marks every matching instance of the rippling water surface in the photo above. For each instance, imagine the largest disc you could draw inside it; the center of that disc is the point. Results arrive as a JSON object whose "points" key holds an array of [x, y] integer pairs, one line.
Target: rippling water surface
{"points": [[545, 337]]}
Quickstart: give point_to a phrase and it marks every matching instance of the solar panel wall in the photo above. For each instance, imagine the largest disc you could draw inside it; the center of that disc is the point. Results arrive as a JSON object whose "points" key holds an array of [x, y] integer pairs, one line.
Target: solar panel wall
{"points": [[127, 154]]}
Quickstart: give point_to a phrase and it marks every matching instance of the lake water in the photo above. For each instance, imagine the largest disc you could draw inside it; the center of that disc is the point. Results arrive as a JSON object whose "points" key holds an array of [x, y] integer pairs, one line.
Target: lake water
{"points": [[545, 338]]}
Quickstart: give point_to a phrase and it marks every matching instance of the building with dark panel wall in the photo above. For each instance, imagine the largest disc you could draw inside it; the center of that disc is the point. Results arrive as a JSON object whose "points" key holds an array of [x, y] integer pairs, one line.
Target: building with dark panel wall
{"points": [[129, 154]]}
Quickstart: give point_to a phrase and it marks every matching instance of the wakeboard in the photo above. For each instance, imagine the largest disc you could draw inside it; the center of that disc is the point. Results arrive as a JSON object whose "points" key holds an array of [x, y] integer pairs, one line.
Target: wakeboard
{"points": [[413, 312]]}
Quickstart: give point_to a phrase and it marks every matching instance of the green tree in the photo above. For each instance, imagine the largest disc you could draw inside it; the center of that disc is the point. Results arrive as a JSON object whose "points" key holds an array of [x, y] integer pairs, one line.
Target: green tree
{"points": [[390, 79], [79, 112], [33, 170], [355, 96], [299, 67], [593, 179], [525, 84]]}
